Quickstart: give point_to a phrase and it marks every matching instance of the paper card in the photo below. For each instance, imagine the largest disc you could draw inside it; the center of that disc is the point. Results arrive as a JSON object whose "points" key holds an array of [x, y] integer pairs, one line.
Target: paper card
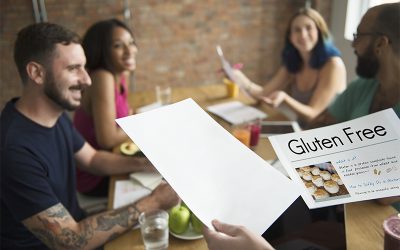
{"points": [[236, 112], [347, 162], [226, 66], [127, 192], [147, 179], [217, 176]]}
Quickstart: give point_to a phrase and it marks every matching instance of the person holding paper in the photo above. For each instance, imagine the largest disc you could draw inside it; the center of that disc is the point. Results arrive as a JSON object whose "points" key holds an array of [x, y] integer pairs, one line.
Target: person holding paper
{"points": [[377, 47], [233, 237], [39, 148], [312, 73], [111, 50]]}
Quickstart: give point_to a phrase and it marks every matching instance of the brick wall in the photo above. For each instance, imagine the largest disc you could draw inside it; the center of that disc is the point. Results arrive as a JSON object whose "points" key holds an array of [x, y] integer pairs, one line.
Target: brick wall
{"points": [[176, 38]]}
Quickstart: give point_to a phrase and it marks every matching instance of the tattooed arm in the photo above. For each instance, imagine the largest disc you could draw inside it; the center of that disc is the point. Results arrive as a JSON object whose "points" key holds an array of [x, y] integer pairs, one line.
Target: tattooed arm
{"points": [[56, 228]]}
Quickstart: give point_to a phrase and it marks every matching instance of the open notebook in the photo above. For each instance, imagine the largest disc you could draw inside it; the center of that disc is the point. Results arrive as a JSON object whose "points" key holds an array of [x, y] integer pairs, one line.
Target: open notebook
{"points": [[138, 186], [236, 112]]}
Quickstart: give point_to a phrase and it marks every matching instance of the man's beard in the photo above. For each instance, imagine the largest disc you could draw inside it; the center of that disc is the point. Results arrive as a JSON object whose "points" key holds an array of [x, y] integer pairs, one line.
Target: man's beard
{"points": [[54, 93], [367, 64]]}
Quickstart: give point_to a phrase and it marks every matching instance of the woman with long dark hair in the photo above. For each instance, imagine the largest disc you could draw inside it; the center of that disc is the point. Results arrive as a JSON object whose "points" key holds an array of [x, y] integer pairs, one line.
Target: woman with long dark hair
{"points": [[110, 49], [312, 72]]}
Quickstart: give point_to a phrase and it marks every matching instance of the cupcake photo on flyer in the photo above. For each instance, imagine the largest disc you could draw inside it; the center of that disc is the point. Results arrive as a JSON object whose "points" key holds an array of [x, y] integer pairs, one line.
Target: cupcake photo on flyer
{"points": [[322, 181]]}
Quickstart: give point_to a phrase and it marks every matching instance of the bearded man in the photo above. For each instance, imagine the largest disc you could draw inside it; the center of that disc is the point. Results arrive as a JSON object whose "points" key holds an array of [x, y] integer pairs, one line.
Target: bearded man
{"points": [[377, 47]]}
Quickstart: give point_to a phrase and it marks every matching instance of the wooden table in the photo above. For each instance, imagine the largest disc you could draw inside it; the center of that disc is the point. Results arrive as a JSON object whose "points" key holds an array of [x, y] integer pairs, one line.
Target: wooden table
{"points": [[364, 224], [204, 96], [363, 219]]}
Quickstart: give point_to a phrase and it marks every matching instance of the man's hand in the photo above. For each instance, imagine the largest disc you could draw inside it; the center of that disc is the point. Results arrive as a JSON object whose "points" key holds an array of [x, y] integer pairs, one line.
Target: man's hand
{"points": [[163, 197]]}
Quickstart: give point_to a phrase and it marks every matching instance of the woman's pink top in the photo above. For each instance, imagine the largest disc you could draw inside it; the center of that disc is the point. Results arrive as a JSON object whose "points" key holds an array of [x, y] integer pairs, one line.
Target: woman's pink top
{"points": [[85, 125]]}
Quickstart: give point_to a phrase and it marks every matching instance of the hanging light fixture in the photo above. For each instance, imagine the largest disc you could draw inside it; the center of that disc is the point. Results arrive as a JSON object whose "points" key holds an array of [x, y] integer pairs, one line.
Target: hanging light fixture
{"points": [[39, 11]]}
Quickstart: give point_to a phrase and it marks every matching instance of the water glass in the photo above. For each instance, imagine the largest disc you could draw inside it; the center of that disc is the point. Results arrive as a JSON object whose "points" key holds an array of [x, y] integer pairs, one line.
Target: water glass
{"points": [[154, 229], [163, 94]]}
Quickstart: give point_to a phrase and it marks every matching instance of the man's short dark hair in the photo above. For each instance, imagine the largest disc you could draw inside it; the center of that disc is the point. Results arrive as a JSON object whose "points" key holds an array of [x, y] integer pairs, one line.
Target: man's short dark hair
{"points": [[37, 43], [387, 23]]}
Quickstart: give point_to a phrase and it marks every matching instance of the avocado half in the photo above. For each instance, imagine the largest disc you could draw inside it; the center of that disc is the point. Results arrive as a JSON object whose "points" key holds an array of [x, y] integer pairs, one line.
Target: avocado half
{"points": [[129, 148]]}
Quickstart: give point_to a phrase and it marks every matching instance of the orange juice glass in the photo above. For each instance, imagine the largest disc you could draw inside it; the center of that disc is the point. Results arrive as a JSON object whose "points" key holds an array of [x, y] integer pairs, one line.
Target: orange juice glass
{"points": [[232, 88], [242, 133]]}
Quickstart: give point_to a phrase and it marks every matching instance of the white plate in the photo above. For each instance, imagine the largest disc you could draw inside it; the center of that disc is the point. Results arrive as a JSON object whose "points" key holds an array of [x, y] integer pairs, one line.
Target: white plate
{"points": [[189, 234]]}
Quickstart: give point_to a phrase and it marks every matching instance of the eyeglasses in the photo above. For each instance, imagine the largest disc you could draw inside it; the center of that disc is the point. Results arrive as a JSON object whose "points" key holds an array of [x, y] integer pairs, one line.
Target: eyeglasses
{"points": [[357, 35]]}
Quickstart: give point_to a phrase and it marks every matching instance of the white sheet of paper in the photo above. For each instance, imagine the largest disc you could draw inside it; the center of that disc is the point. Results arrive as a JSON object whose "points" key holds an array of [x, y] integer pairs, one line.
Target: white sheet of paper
{"points": [[215, 175], [236, 112], [128, 191]]}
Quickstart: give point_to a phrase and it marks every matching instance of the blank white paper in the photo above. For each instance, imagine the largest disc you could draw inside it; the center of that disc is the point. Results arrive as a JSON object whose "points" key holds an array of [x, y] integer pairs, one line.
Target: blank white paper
{"points": [[217, 176]]}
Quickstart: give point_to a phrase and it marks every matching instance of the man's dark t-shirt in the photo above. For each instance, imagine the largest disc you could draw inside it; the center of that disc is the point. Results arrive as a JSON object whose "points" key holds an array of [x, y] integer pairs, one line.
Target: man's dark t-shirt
{"points": [[37, 172]]}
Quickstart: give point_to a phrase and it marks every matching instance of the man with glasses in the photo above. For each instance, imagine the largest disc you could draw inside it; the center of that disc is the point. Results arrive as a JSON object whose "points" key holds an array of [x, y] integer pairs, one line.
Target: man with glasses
{"points": [[377, 47]]}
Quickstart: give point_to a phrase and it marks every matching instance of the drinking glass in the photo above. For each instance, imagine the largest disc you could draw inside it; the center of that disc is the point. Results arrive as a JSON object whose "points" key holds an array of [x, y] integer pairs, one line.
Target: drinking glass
{"points": [[255, 129], [242, 133], [154, 229], [391, 228], [163, 94], [232, 88]]}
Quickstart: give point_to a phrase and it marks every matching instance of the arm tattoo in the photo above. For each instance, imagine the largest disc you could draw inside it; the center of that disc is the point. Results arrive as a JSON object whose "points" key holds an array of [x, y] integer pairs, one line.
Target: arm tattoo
{"points": [[46, 237], [52, 226], [71, 239], [55, 234], [57, 211], [125, 217]]}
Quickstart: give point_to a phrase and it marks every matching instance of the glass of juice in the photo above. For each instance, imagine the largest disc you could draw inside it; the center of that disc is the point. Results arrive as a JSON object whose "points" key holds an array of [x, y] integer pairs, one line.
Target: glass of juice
{"points": [[242, 133], [255, 129]]}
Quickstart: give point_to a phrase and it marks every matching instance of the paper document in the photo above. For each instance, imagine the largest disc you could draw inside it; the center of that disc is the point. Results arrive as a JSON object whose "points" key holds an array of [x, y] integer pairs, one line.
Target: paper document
{"points": [[127, 192], [147, 179], [236, 112], [347, 162], [226, 66], [215, 175]]}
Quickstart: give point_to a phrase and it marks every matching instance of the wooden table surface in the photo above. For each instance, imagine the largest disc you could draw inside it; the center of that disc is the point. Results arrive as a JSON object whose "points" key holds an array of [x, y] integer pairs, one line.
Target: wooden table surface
{"points": [[363, 220], [204, 96], [364, 224]]}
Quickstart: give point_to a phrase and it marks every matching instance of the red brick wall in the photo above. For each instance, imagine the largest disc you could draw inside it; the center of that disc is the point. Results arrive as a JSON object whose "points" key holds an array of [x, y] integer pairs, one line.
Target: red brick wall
{"points": [[176, 38]]}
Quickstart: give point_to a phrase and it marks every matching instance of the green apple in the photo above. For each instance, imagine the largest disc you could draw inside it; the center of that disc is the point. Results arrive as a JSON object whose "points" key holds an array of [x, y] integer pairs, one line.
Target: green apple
{"points": [[183, 204], [179, 218], [197, 225]]}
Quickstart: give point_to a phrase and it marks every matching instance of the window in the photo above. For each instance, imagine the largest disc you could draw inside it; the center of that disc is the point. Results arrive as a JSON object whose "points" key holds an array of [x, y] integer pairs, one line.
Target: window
{"points": [[355, 10]]}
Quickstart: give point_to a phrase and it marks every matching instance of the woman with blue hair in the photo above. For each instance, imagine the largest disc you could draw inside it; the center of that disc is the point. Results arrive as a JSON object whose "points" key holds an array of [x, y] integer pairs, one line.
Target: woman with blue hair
{"points": [[312, 72]]}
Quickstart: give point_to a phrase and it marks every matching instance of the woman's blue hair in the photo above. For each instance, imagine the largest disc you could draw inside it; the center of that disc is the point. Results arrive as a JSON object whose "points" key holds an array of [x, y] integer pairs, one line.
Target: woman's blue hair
{"points": [[323, 50]]}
